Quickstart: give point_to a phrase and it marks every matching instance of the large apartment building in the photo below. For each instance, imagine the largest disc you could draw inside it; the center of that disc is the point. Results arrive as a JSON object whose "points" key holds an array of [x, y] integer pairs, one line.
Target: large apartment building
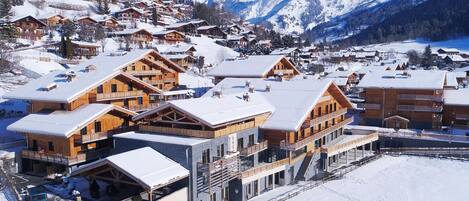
{"points": [[74, 112], [248, 136], [403, 99]]}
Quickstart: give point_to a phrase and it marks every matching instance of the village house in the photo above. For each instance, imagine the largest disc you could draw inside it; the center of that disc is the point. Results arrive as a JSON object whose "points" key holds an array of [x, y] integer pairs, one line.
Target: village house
{"points": [[109, 23], [169, 37], [29, 27], [403, 99], [140, 37], [456, 108], [85, 49], [86, 21], [292, 54], [345, 80], [255, 66], [233, 41], [184, 60], [180, 49], [448, 51], [53, 20], [212, 31], [129, 14], [184, 27], [232, 29], [265, 44]]}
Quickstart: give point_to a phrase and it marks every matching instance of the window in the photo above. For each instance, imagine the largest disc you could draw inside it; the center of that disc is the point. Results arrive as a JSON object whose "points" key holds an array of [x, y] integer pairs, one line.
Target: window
{"points": [[319, 127], [333, 121], [100, 89], [251, 140], [312, 114], [327, 109], [319, 112], [144, 67], [126, 102], [240, 143], [133, 67], [330, 107], [62, 106], [213, 197], [130, 87], [113, 88], [51, 146], [206, 156], [327, 124], [335, 107], [140, 100], [83, 131], [221, 150], [97, 126]]}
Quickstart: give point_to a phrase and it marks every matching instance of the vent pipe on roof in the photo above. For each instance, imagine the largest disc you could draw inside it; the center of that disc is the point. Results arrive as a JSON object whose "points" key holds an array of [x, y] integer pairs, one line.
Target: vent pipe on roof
{"points": [[246, 97], [217, 93], [268, 87], [251, 89]]}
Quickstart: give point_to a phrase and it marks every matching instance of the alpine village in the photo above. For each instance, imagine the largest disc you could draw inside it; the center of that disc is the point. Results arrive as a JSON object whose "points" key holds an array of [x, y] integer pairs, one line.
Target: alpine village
{"points": [[173, 100]]}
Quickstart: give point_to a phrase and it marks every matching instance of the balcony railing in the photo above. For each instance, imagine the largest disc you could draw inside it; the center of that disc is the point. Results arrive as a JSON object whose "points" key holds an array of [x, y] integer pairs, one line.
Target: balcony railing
{"points": [[334, 149], [283, 72], [198, 133], [327, 117], [119, 95], [171, 79], [462, 117], [262, 168], [145, 72], [64, 160], [247, 151], [154, 82], [421, 97], [303, 142], [420, 108], [139, 108], [94, 137]]}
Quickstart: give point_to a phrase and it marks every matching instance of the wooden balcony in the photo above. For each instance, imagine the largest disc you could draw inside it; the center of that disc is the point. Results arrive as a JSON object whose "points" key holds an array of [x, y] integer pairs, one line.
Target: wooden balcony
{"points": [[94, 137], [198, 133], [250, 150], [170, 79], [310, 139], [464, 117], [370, 106], [283, 72], [145, 73], [154, 82], [139, 108], [262, 168], [420, 108], [433, 98], [119, 95], [64, 160], [216, 173], [327, 117], [347, 142]]}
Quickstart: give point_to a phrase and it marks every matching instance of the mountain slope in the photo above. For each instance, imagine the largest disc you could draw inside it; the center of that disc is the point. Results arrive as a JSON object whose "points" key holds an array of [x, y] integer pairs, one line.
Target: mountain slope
{"points": [[293, 15], [433, 19]]}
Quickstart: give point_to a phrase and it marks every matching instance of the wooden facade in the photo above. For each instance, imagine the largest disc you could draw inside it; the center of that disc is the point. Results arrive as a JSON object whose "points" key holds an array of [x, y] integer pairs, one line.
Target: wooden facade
{"points": [[213, 31], [169, 37], [423, 108], [86, 50], [129, 14], [30, 28], [140, 37], [86, 21], [49, 154], [456, 116], [55, 20]]}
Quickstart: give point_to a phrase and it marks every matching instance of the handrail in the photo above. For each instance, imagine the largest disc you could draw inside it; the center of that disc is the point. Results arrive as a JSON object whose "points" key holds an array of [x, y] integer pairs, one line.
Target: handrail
{"points": [[144, 72], [254, 148], [420, 97], [365, 138], [119, 95], [269, 166], [329, 116]]}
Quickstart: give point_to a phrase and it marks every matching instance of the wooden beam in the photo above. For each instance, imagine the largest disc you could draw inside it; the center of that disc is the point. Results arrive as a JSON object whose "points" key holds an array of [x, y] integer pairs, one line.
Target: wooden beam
{"points": [[117, 180]]}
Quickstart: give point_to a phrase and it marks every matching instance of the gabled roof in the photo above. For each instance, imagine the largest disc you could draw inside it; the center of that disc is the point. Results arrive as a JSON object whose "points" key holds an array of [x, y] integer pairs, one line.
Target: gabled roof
{"points": [[253, 66], [107, 67], [18, 18], [284, 51], [146, 166], [207, 27], [412, 79], [340, 74], [131, 31], [179, 49], [86, 17], [159, 33], [130, 8], [215, 111], [292, 100], [62, 123]]}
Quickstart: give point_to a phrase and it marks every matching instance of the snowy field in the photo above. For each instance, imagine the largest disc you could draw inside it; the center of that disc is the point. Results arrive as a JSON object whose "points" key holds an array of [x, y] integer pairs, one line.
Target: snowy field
{"points": [[461, 44], [404, 178]]}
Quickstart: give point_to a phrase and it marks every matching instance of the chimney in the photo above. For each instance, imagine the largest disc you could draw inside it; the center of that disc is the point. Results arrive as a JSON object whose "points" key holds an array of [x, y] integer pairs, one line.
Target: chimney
{"points": [[246, 97], [268, 88], [217, 93], [70, 75], [251, 89]]}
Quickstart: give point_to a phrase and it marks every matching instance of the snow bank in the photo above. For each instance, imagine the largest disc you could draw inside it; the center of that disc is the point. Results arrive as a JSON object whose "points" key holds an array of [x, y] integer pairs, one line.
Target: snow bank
{"points": [[213, 53]]}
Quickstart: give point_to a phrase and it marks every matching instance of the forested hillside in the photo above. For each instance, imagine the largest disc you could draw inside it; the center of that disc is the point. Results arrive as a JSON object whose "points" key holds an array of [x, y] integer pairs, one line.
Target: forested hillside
{"points": [[433, 19]]}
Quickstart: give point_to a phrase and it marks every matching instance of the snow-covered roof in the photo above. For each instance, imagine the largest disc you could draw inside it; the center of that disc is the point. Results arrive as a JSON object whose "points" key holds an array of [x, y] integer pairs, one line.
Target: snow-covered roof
{"points": [[339, 74], [252, 66], [463, 69], [456, 58], [451, 78], [339, 81], [83, 43], [164, 32], [62, 123], [292, 100], [206, 27], [146, 166], [130, 8], [215, 111], [234, 37], [457, 97], [107, 66], [179, 48], [131, 31], [177, 25], [161, 138], [413, 79], [177, 56], [450, 50], [17, 18], [283, 51]]}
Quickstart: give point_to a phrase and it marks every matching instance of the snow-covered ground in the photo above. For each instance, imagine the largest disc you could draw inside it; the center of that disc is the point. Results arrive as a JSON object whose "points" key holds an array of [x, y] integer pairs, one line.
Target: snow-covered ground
{"points": [[403, 178], [461, 44], [213, 53]]}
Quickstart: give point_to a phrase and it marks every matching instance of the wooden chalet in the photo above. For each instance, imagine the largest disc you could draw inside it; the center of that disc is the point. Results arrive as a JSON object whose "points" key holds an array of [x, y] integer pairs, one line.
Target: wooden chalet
{"points": [[236, 41], [60, 140], [169, 37], [212, 31], [86, 21], [264, 66], [130, 14], [29, 27], [109, 23], [54, 20], [184, 60], [184, 27], [135, 36], [85, 49], [403, 99]]}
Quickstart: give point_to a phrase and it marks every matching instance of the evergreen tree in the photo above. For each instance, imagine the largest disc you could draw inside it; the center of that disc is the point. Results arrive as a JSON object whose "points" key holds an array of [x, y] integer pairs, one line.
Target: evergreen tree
{"points": [[5, 7], [8, 32], [154, 16], [307, 43], [99, 33], [63, 47], [100, 6], [106, 8], [427, 58], [68, 48]]}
